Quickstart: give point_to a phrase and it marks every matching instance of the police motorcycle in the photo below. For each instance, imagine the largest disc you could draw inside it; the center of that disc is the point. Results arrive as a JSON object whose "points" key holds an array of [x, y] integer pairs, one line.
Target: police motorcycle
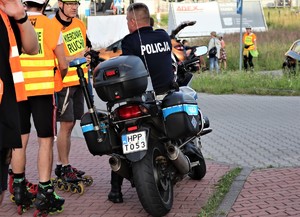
{"points": [[151, 142]]}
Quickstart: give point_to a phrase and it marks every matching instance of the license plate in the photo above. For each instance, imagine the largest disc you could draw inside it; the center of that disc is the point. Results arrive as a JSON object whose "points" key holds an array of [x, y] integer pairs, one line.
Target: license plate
{"points": [[134, 142]]}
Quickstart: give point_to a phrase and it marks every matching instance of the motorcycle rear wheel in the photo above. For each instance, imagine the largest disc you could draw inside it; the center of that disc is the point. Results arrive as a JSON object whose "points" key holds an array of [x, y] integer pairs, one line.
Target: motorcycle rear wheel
{"points": [[153, 186], [199, 171]]}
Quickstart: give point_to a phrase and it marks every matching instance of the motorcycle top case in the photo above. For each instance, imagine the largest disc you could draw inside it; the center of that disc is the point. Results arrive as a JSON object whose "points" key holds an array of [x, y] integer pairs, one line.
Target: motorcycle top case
{"points": [[120, 78], [110, 139], [181, 115]]}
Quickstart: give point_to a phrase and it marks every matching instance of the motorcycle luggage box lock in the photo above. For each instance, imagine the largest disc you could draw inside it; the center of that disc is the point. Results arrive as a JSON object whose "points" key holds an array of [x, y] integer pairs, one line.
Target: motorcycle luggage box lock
{"points": [[108, 74], [131, 78]]}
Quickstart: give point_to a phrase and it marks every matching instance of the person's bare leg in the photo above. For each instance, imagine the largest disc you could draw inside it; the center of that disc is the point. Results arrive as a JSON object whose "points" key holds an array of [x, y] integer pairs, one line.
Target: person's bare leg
{"points": [[18, 160], [64, 141], [45, 158], [1, 197]]}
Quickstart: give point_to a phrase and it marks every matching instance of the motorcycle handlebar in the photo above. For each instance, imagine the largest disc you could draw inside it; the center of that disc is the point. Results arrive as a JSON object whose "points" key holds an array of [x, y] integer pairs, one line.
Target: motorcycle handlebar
{"points": [[187, 62]]}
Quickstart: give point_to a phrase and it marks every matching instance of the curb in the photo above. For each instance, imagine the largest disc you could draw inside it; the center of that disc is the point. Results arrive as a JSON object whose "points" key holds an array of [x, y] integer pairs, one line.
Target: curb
{"points": [[234, 191]]}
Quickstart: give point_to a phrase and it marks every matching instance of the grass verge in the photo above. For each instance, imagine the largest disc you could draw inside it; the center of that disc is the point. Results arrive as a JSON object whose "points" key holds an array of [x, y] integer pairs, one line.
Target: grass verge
{"points": [[222, 189], [247, 83]]}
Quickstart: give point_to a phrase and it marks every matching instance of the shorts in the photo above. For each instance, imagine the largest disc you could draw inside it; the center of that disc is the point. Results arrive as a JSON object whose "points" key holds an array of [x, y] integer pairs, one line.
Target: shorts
{"points": [[43, 112], [3, 170], [70, 105]]}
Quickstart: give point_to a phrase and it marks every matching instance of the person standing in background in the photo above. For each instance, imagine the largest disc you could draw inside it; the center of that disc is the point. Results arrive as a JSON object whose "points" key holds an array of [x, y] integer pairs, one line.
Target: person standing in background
{"points": [[214, 59], [17, 36], [250, 46], [223, 57]]}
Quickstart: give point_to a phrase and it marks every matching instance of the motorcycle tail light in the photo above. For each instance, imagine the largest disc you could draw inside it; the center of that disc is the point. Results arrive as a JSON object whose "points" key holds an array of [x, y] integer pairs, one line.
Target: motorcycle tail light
{"points": [[179, 47], [129, 111], [132, 128]]}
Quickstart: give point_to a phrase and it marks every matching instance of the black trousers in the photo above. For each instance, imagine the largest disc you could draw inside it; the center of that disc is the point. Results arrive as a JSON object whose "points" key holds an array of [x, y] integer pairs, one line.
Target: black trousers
{"points": [[248, 60], [4, 163]]}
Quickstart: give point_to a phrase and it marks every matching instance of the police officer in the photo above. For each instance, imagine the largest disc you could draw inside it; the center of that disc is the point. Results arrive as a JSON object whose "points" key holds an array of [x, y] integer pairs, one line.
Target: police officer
{"points": [[154, 48]]}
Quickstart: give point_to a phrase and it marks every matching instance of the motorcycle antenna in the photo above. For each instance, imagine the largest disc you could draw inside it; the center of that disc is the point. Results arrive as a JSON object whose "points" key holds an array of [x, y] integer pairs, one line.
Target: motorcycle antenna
{"points": [[45, 5], [150, 85]]}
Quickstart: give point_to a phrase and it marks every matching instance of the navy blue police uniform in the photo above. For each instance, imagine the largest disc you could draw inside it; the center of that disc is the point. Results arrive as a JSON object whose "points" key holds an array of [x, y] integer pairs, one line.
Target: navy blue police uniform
{"points": [[154, 48]]}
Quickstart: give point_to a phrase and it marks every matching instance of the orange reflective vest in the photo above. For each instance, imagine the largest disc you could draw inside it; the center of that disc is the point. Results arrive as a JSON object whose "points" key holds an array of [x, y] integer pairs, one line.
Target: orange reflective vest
{"points": [[14, 61], [74, 37], [248, 40], [38, 69]]}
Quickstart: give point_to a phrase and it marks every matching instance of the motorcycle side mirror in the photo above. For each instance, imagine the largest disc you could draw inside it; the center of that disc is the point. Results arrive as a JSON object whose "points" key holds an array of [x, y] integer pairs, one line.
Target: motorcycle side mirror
{"points": [[115, 49], [201, 50]]}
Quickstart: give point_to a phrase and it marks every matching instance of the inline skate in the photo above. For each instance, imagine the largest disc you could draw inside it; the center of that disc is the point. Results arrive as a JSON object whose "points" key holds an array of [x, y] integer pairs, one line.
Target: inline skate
{"points": [[32, 187], [47, 202], [87, 180], [22, 197], [68, 180]]}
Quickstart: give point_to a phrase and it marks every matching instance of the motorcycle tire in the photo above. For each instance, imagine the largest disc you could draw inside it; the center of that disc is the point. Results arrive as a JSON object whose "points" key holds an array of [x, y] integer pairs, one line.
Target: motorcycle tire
{"points": [[199, 171], [289, 67], [153, 186]]}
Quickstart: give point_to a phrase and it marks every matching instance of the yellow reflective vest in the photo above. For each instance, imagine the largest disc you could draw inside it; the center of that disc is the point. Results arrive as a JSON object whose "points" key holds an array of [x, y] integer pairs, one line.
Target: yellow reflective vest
{"points": [[74, 37], [248, 40], [38, 70]]}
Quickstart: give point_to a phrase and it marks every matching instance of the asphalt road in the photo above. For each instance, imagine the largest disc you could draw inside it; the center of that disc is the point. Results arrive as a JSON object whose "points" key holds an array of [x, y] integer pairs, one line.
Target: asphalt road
{"points": [[248, 130]]}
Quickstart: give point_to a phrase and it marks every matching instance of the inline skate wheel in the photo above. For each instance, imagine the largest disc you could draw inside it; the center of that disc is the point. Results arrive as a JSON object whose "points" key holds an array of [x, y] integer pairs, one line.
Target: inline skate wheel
{"points": [[12, 198], [67, 186], [54, 182], [80, 188], [57, 211], [38, 213], [88, 180], [60, 185], [21, 209], [73, 188]]}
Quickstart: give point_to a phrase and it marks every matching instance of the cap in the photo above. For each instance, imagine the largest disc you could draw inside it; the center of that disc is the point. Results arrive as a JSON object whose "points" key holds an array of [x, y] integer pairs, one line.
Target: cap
{"points": [[41, 2], [220, 35], [248, 27]]}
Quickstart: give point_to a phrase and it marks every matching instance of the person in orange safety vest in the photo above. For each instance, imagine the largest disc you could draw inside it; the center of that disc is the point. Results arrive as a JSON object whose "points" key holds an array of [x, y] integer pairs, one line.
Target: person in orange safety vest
{"points": [[38, 71], [70, 99], [17, 36], [249, 40]]}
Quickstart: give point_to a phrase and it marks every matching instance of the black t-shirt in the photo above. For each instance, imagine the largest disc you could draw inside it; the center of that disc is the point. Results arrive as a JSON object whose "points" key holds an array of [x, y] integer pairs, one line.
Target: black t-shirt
{"points": [[10, 136], [154, 48]]}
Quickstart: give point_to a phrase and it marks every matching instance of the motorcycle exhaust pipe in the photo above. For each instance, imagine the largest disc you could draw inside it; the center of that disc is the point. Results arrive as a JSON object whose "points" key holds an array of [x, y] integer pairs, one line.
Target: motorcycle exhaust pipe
{"points": [[180, 161], [119, 166]]}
